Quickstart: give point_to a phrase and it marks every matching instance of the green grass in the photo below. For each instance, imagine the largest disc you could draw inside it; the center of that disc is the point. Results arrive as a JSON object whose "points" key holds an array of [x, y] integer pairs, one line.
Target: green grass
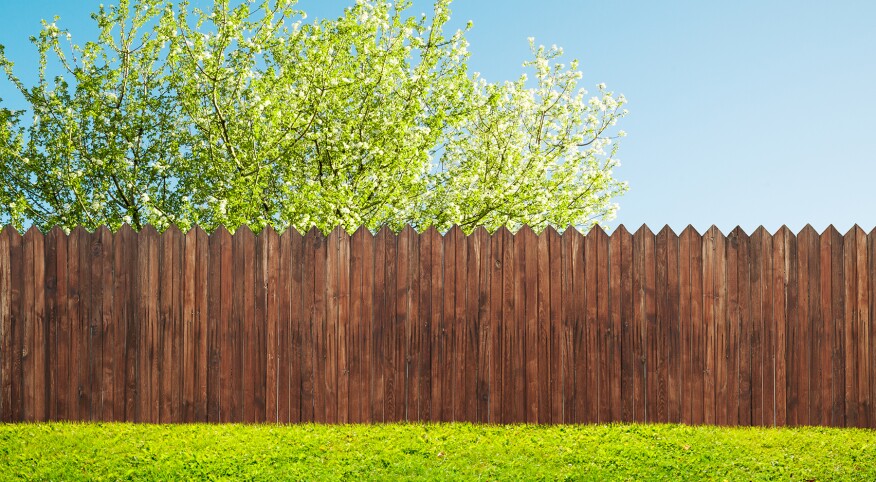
{"points": [[71, 451]]}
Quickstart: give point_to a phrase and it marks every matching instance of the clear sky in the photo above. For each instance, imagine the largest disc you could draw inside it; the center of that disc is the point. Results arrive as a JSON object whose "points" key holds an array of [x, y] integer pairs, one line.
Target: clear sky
{"points": [[741, 113]]}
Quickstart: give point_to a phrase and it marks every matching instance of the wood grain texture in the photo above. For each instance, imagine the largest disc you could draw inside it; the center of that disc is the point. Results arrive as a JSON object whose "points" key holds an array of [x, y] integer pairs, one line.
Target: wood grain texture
{"points": [[491, 328]]}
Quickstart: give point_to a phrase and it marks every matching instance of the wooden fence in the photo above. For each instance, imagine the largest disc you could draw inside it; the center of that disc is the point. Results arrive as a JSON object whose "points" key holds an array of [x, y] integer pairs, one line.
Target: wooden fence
{"points": [[552, 328]]}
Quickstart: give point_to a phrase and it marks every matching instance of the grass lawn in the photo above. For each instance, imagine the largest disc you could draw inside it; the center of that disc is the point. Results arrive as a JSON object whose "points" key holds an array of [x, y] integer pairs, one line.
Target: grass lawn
{"points": [[72, 451]]}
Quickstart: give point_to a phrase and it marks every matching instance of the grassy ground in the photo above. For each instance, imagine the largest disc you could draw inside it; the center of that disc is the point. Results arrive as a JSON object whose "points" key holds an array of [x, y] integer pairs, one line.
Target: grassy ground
{"points": [[68, 451]]}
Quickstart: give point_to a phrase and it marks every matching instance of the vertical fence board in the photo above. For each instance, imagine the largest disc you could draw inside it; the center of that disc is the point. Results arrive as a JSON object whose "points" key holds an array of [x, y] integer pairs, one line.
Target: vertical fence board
{"points": [[496, 325], [480, 246], [613, 337], [543, 330], [673, 330], [426, 308], [603, 326], [627, 340], [125, 355], [189, 280], [837, 324], [862, 314], [271, 256], [330, 344], [555, 256], [664, 319], [530, 325], [28, 327], [638, 327], [214, 326], [743, 341], [7, 347], [685, 259], [579, 314]]}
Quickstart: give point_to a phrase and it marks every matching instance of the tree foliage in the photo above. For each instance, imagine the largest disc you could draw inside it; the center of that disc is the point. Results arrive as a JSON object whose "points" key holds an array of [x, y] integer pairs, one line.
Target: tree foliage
{"points": [[248, 114]]}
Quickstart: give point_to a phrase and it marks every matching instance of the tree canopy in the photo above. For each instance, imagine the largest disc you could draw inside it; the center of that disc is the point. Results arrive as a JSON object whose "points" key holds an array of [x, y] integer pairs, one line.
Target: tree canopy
{"points": [[247, 113]]}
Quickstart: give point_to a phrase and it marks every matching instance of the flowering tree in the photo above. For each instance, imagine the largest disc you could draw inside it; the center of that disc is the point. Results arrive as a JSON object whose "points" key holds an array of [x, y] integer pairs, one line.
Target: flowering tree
{"points": [[245, 114]]}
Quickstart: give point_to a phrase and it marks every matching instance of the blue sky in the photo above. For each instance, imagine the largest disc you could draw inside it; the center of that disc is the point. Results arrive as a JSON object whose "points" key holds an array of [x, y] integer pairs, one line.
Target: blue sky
{"points": [[741, 113]]}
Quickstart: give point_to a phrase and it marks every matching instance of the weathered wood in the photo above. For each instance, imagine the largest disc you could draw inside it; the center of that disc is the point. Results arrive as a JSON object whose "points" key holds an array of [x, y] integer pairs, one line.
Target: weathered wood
{"points": [[530, 325], [550, 328], [862, 317], [7, 344], [543, 329]]}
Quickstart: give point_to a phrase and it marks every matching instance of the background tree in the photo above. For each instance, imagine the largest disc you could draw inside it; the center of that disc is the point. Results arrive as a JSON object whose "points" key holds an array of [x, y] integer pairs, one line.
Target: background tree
{"points": [[244, 114]]}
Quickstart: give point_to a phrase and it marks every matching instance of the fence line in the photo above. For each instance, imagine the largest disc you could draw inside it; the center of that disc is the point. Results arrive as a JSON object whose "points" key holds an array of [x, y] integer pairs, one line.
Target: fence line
{"points": [[760, 329]]}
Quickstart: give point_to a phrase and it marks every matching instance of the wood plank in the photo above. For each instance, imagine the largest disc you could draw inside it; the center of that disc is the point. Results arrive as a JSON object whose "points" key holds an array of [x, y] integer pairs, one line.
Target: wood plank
{"points": [[697, 327], [187, 370], [650, 328], [661, 333], [509, 327], [481, 336], [784, 273], [270, 265], [545, 355], [761, 402], [426, 310], [165, 327], [291, 320], [732, 318], [710, 315], [256, 355], [330, 333], [734, 321], [50, 294], [811, 335], [16, 276], [529, 339], [570, 245], [743, 340], [722, 331], [477, 352], [309, 381], [628, 363], [61, 346], [147, 312], [672, 330], [517, 338], [473, 380], [798, 333], [365, 343], [685, 262], [38, 348], [354, 344], [603, 326], [638, 326], [342, 327], [448, 323], [321, 397], [412, 328], [576, 312], [377, 346], [125, 355], [6, 326], [248, 351], [497, 390], [398, 322], [28, 327], [862, 316], [615, 352], [232, 307], [556, 274], [214, 327], [821, 370], [587, 356], [201, 324], [837, 323], [461, 391], [178, 325]]}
